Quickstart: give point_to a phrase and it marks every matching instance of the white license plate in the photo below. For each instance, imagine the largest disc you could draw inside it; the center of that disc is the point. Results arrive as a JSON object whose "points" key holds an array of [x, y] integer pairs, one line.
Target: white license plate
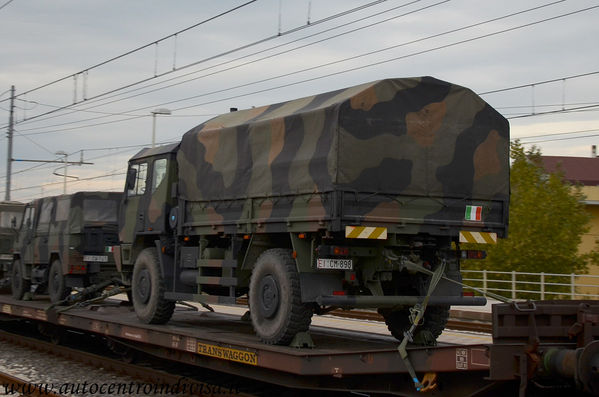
{"points": [[95, 258], [337, 264]]}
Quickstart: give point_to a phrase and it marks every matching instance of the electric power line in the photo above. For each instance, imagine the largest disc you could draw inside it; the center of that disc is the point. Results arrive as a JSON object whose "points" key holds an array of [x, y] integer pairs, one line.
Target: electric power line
{"points": [[5, 4], [155, 42], [579, 108], [340, 61], [556, 134], [293, 30]]}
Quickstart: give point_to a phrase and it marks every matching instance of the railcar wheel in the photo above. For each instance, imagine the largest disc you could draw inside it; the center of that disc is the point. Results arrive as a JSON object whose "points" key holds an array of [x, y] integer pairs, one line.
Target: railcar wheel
{"points": [[277, 312], [435, 319], [56, 283], [147, 289], [18, 284]]}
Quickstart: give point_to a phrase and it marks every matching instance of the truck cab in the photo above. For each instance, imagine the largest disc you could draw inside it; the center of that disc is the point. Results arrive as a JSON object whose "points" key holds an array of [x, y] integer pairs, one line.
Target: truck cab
{"points": [[148, 200]]}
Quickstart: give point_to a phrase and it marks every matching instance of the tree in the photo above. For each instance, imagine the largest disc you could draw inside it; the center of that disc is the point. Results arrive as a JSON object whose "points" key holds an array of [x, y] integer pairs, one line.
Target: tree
{"points": [[547, 221]]}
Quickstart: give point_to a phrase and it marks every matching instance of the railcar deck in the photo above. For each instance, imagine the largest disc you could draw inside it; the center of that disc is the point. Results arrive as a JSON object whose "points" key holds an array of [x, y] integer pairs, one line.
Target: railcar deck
{"points": [[340, 360]]}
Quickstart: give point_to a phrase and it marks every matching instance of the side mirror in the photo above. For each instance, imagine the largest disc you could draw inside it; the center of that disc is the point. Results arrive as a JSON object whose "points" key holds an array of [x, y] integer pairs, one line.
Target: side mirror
{"points": [[131, 176], [13, 222]]}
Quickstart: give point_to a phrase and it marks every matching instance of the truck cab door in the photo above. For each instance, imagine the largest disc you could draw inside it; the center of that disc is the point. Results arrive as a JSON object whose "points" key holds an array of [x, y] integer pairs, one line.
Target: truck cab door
{"points": [[24, 243], [159, 199], [133, 208]]}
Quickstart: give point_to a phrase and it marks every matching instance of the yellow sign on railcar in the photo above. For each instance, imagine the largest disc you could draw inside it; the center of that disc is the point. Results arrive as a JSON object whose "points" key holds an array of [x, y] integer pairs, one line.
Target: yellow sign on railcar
{"points": [[226, 353]]}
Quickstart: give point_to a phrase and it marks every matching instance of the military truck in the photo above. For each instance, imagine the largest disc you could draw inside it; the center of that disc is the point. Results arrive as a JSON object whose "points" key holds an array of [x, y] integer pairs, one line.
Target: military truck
{"points": [[61, 244], [351, 198], [11, 213]]}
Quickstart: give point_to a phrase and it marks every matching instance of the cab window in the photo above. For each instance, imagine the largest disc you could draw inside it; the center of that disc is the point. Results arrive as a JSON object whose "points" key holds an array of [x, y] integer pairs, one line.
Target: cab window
{"points": [[62, 209], [158, 174], [43, 224], [28, 218], [10, 219], [140, 179]]}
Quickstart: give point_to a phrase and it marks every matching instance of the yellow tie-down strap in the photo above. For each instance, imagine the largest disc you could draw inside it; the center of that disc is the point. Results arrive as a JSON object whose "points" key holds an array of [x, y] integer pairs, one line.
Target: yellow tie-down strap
{"points": [[478, 237], [369, 232]]}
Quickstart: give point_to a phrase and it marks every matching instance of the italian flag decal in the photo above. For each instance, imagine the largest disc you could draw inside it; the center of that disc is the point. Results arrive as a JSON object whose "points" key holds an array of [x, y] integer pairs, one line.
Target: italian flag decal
{"points": [[474, 213]]}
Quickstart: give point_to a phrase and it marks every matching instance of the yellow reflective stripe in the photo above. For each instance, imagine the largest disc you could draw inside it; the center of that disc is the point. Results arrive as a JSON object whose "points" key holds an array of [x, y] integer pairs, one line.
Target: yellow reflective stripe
{"points": [[354, 231], [377, 233], [478, 237], [366, 232]]}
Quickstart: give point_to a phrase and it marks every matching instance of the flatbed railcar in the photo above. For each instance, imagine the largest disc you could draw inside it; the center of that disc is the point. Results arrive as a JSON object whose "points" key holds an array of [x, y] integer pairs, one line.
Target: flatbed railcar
{"points": [[552, 344]]}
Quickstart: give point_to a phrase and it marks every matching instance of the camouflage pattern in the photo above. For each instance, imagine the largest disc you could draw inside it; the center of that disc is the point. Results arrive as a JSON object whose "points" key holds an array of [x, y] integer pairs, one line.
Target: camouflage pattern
{"points": [[75, 229], [410, 151], [11, 213]]}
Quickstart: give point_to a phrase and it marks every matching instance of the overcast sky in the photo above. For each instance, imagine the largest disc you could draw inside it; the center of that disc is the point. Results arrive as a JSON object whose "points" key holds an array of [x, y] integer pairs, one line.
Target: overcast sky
{"points": [[270, 51]]}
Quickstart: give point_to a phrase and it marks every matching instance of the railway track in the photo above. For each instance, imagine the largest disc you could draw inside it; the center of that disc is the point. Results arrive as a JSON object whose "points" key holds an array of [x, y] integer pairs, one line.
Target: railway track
{"points": [[161, 381], [12, 385]]}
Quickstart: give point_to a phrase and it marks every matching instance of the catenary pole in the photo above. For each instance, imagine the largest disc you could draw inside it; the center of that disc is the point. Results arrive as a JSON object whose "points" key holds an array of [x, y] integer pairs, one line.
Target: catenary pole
{"points": [[9, 136]]}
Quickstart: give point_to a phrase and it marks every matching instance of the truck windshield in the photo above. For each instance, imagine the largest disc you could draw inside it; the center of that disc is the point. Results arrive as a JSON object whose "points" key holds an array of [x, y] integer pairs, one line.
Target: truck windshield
{"points": [[6, 219], [95, 210]]}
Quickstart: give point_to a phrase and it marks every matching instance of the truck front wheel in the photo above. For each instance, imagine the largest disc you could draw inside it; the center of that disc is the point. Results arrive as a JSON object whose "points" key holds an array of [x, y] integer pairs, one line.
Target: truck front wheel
{"points": [[18, 284], [56, 283], [147, 289], [276, 309]]}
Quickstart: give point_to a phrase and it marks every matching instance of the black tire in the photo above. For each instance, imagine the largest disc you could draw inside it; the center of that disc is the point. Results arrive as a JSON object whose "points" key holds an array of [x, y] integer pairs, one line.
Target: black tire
{"points": [[18, 284], [147, 289], [277, 312], [435, 319], [56, 283]]}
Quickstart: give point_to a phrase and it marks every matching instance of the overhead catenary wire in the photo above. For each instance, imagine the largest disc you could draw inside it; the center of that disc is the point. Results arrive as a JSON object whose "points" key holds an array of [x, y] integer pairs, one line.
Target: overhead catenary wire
{"points": [[140, 47], [338, 62], [579, 108], [556, 134], [5, 4], [290, 31], [245, 64], [510, 87], [117, 173], [560, 139]]}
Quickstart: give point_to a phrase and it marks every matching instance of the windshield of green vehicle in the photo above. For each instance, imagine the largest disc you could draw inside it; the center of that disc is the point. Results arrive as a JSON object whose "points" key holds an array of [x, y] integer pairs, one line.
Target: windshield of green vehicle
{"points": [[6, 219], [95, 210]]}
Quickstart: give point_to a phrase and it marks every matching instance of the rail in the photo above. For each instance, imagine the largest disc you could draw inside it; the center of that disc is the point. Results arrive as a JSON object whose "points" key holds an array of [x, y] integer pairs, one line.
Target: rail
{"points": [[21, 387], [524, 285]]}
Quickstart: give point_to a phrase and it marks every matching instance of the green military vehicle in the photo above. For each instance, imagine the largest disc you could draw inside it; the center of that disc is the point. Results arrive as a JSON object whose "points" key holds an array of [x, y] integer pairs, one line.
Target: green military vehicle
{"points": [[11, 213], [62, 243], [351, 198]]}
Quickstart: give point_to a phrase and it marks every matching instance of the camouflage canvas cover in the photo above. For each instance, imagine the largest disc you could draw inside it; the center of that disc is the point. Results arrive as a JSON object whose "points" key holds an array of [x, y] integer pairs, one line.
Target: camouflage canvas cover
{"points": [[406, 136]]}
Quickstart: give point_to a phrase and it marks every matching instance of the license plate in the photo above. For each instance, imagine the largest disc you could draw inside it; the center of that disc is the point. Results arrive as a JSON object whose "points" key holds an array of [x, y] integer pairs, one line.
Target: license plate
{"points": [[6, 257], [337, 264], [95, 258]]}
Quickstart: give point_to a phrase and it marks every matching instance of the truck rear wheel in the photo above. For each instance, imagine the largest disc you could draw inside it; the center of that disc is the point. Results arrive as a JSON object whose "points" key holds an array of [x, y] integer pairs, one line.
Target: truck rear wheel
{"points": [[147, 289], [435, 319], [276, 308], [56, 283], [18, 284]]}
